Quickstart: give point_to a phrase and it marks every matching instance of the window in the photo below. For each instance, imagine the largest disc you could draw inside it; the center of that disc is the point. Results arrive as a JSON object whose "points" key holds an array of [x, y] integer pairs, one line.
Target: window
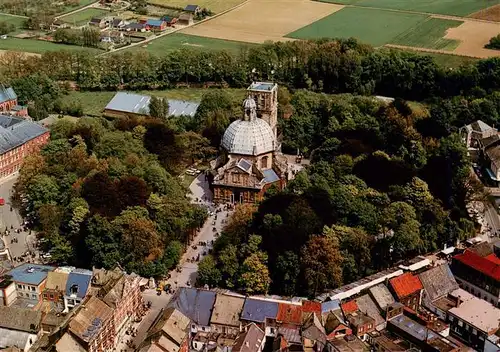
{"points": [[236, 178], [19, 287], [474, 331], [460, 323], [203, 328], [263, 162], [193, 326], [33, 288], [33, 296]]}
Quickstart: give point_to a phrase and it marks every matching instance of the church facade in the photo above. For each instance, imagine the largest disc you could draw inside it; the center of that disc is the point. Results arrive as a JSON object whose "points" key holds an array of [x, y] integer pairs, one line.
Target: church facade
{"points": [[250, 161]]}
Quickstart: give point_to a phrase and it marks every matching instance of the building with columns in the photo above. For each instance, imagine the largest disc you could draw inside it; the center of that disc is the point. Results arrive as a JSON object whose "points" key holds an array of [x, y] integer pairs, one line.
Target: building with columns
{"points": [[250, 161]]}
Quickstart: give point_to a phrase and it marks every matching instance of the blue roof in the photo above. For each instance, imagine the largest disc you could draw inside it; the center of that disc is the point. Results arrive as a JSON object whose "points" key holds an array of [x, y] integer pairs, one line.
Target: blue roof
{"points": [[330, 305], [191, 8], [139, 104], [154, 23], [31, 274], [7, 94], [196, 304], [15, 131], [166, 18], [80, 278], [270, 176], [258, 310]]}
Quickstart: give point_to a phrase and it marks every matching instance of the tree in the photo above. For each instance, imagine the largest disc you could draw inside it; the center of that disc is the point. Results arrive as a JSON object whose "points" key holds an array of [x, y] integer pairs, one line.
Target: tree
{"points": [[208, 273], [229, 265], [158, 108], [286, 273], [254, 276], [42, 189], [494, 43], [6, 28], [321, 263], [91, 36]]}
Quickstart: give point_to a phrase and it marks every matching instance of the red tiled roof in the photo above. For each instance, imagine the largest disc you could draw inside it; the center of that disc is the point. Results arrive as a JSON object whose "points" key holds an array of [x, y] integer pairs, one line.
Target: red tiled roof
{"points": [[405, 285], [488, 266], [349, 307], [289, 314], [311, 307]]}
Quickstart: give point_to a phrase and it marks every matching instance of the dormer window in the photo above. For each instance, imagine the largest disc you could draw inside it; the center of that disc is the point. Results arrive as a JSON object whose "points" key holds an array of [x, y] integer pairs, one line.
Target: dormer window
{"points": [[73, 289]]}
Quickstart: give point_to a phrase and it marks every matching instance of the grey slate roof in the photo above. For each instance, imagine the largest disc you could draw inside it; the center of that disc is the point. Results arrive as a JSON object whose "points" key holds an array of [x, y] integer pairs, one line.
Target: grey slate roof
{"points": [[139, 104], [191, 8], [249, 341], [438, 281], [15, 131], [270, 176], [7, 94], [480, 126], [330, 305], [367, 306], [20, 319], [382, 296], [12, 338], [196, 304], [258, 310]]}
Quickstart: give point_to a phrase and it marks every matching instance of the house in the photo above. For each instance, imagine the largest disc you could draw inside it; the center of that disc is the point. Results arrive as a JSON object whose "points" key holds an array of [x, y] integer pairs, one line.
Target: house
{"points": [[311, 307], [251, 340], [135, 27], [382, 296], [361, 324], [186, 19], [92, 326], [197, 305], [261, 312], [130, 104], [118, 23], [77, 287], [19, 138], [170, 21], [475, 132], [193, 9], [226, 314], [313, 334], [121, 292], [289, 315], [333, 320], [100, 22], [58, 23], [478, 275], [8, 98], [421, 337], [367, 306], [407, 289], [156, 25], [30, 280], [19, 327], [474, 321], [55, 288], [169, 332], [7, 290], [349, 307], [437, 282]]}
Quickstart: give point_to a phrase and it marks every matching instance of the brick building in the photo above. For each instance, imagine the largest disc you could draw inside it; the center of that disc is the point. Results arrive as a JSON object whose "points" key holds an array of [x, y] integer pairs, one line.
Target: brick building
{"points": [[408, 290], [8, 98], [18, 139]]}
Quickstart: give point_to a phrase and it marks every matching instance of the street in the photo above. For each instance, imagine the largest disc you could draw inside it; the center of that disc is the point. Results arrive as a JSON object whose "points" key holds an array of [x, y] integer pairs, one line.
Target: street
{"points": [[11, 220]]}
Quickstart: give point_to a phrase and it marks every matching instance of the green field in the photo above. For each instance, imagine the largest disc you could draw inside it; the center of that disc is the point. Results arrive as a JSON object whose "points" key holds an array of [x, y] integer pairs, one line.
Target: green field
{"points": [[169, 43], [16, 21], [93, 103], [429, 35], [39, 46], [82, 17], [445, 7], [372, 26]]}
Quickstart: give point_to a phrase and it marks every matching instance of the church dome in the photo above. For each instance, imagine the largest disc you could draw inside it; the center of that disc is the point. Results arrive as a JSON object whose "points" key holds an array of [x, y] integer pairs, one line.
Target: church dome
{"points": [[249, 137]]}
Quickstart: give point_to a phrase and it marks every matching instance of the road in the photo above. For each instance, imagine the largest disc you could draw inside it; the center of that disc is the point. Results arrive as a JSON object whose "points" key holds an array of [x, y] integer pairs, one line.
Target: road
{"points": [[199, 194], [11, 220]]}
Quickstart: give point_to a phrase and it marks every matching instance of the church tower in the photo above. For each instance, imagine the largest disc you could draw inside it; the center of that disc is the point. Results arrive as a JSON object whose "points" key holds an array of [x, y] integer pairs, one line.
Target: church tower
{"points": [[265, 95]]}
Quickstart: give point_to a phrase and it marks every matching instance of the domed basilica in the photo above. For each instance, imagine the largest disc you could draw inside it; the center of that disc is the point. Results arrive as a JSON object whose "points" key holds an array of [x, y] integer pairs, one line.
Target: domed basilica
{"points": [[251, 161]]}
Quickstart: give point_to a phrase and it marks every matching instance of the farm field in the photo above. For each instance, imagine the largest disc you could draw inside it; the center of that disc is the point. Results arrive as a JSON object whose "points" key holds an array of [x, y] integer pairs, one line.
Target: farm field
{"points": [[473, 36], [82, 17], [372, 26], [489, 14], [177, 41], [443, 7], [259, 20], [16, 21], [94, 102], [39, 46], [216, 6], [52, 7], [429, 34]]}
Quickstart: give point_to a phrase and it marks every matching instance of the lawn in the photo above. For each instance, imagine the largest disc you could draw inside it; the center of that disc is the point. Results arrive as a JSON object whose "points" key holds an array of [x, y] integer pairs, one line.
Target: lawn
{"points": [[372, 26], [429, 35], [93, 103], [445, 7], [176, 41], [51, 7], [216, 6], [39, 46], [82, 17], [16, 21]]}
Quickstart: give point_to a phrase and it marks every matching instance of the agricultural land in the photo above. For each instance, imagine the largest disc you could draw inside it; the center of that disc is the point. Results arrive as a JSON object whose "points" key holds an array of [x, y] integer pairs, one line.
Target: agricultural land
{"points": [[84, 16], [216, 6]]}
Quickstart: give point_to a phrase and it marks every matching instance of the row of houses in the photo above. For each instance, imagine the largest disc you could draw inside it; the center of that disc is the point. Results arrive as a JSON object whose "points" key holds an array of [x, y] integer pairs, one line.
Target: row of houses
{"points": [[86, 310]]}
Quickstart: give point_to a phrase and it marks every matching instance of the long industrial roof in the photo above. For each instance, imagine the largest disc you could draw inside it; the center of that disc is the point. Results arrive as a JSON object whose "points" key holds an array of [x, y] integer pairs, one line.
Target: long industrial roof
{"points": [[139, 104]]}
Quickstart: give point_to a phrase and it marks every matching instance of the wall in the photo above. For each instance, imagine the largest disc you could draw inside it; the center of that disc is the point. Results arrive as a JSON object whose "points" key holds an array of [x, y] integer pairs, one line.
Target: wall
{"points": [[8, 295], [478, 292], [465, 332]]}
